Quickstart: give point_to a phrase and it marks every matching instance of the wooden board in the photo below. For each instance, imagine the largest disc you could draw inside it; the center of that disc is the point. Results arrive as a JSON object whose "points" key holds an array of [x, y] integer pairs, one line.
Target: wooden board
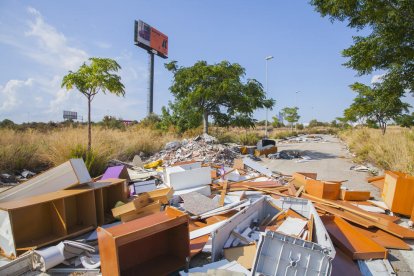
{"points": [[351, 242], [244, 255], [321, 189], [355, 195], [383, 238], [343, 265], [197, 245]]}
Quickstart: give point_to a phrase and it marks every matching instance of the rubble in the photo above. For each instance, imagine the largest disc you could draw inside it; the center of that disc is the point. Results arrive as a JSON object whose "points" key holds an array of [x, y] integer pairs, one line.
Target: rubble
{"points": [[152, 216]]}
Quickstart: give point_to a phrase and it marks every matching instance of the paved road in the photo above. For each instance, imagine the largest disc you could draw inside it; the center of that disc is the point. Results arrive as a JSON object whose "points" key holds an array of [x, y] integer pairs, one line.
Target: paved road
{"points": [[329, 159], [332, 161]]}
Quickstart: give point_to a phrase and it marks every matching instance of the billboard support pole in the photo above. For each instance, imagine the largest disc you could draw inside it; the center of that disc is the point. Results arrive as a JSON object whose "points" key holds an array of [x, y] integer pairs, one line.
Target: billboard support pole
{"points": [[151, 84]]}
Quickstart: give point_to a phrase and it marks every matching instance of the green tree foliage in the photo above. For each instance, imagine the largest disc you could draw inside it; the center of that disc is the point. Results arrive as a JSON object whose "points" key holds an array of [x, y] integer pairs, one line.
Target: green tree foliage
{"points": [[112, 123], [92, 78], [276, 122], [390, 43], [217, 91], [6, 123], [405, 120], [377, 104], [291, 115]]}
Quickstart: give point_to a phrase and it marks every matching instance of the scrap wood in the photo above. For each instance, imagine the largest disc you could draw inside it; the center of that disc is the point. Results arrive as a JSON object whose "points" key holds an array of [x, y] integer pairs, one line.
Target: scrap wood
{"points": [[275, 217], [257, 184], [244, 255], [378, 216], [343, 265], [342, 205], [223, 194], [197, 244], [265, 190], [238, 164], [291, 189], [346, 215], [355, 195], [137, 203], [299, 191], [242, 238], [375, 178], [142, 212], [310, 228], [383, 238], [352, 242]]}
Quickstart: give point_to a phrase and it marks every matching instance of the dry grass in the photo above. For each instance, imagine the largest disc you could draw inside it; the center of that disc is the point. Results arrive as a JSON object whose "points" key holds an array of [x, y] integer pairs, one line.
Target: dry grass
{"points": [[392, 151], [36, 150]]}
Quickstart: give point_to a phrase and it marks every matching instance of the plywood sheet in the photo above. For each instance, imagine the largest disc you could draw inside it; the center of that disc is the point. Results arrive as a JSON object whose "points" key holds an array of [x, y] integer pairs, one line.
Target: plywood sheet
{"points": [[244, 255], [352, 242]]}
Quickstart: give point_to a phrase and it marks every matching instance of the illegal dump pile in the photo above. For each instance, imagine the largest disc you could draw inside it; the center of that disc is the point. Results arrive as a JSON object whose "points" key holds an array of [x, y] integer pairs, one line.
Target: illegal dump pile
{"points": [[197, 199]]}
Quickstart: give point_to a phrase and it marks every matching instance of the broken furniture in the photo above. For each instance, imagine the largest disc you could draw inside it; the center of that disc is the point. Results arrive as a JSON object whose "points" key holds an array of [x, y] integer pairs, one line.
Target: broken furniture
{"points": [[398, 192], [279, 254], [66, 175], [323, 189], [116, 172], [44, 219], [355, 195], [188, 178], [299, 178], [157, 244], [41, 220]]}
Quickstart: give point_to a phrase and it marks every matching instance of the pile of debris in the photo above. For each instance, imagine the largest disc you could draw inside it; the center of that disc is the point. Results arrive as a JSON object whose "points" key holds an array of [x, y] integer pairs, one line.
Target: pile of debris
{"points": [[202, 148], [236, 215]]}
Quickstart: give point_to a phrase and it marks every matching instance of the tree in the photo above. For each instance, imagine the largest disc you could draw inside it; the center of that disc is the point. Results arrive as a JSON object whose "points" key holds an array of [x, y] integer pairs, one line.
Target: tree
{"points": [[217, 91], [276, 122], [93, 78], [291, 115], [390, 44], [377, 104], [405, 120]]}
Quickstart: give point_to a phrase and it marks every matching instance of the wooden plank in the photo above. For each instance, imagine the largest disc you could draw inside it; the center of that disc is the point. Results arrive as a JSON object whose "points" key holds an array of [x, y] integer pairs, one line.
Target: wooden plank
{"points": [[223, 193], [346, 215], [258, 184], [142, 212], [383, 238], [340, 204], [310, 228], [137, 203], [355, 195], [299, 191], [352, 242], [197, 244], [291, 189], [238, 164]]}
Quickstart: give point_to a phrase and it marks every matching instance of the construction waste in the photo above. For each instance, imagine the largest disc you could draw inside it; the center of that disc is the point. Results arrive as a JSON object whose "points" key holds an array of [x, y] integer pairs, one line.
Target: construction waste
{"points": [[200, 208]]}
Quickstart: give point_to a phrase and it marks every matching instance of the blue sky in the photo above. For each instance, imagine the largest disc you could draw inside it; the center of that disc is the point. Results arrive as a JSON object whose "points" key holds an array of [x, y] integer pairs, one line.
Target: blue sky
{"points": [[40, 41]]}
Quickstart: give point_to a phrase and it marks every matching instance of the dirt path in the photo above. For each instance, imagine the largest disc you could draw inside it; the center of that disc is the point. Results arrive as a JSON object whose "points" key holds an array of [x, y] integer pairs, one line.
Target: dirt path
{"points": [[330, 160]]}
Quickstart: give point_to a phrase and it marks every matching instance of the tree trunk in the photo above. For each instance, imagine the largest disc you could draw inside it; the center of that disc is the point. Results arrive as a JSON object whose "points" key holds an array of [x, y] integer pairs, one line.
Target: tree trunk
{"points": [[89, 125], [205, 122], [383, 128]]}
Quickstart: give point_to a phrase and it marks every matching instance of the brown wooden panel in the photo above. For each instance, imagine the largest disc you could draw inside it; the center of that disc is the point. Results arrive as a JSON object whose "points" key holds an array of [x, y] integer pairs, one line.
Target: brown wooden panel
{"points": [[352, 242]]}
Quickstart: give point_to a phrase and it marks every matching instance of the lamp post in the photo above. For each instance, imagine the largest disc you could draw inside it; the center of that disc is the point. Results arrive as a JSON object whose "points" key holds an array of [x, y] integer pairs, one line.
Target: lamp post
{"points": [[267, 91]]}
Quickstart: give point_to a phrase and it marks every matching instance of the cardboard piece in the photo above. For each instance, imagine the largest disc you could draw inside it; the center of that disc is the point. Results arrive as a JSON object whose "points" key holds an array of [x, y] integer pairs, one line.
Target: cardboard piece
{"points": [[244, 255], [66, 175]]}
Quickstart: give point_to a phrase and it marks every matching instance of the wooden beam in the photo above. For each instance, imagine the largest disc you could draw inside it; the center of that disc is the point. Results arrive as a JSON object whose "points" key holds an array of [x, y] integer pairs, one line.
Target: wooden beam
{"points": [[223, 193], [310, 228]]}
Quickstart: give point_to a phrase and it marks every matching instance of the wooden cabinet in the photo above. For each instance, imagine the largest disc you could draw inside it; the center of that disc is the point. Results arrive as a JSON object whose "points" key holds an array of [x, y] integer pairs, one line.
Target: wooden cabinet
{"points": [[323, 189], [398, 192], [140, 246], [40, 220]]}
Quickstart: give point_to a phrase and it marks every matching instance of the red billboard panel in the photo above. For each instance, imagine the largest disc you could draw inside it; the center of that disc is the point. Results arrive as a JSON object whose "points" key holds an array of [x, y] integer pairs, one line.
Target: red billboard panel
{"points": [[150, 38]]}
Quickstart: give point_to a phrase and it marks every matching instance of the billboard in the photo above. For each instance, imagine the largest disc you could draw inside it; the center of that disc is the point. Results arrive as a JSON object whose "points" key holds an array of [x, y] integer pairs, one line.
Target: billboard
{"points": [[70, 115], [150, 38]]}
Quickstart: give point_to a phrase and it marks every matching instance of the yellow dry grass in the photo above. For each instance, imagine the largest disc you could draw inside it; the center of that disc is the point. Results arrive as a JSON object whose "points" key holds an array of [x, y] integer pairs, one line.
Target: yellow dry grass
{"points": [[392, 151], [33, 149]]}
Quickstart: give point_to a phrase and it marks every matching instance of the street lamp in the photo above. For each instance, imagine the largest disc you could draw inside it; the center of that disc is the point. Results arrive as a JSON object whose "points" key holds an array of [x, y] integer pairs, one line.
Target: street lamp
{"points": [[267, 91]]}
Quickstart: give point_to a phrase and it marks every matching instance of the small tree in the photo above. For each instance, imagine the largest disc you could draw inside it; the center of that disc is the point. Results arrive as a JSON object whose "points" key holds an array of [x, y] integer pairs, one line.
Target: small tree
{"points": [[379, 103], [93, 78], [291, 115], [276, 122], [202, 91]]}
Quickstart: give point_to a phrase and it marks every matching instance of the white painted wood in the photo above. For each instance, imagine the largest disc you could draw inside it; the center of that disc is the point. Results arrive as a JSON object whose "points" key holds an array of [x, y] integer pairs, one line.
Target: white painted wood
{"points": [[66, 175], [256, 166], [6, 235], [292, 226]]}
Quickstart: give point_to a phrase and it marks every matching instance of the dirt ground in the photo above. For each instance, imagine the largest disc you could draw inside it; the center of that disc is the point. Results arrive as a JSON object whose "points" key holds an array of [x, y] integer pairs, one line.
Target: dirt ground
{"points": [[331, 160]]}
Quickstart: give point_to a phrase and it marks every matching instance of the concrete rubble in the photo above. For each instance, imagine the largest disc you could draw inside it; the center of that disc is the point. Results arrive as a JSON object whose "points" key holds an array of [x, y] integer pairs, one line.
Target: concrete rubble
{"points": [[201, 208]]}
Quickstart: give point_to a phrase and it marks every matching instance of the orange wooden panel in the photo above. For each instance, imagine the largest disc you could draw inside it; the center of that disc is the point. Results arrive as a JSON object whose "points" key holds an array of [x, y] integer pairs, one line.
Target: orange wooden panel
{"points": [[321, 189], [352, 242], [383, 238], [355, 195], [398, 192]]}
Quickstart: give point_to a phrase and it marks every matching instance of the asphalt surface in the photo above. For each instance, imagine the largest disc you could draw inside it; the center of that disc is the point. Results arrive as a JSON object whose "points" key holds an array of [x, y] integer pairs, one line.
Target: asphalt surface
{"points": [[331, 160]]}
